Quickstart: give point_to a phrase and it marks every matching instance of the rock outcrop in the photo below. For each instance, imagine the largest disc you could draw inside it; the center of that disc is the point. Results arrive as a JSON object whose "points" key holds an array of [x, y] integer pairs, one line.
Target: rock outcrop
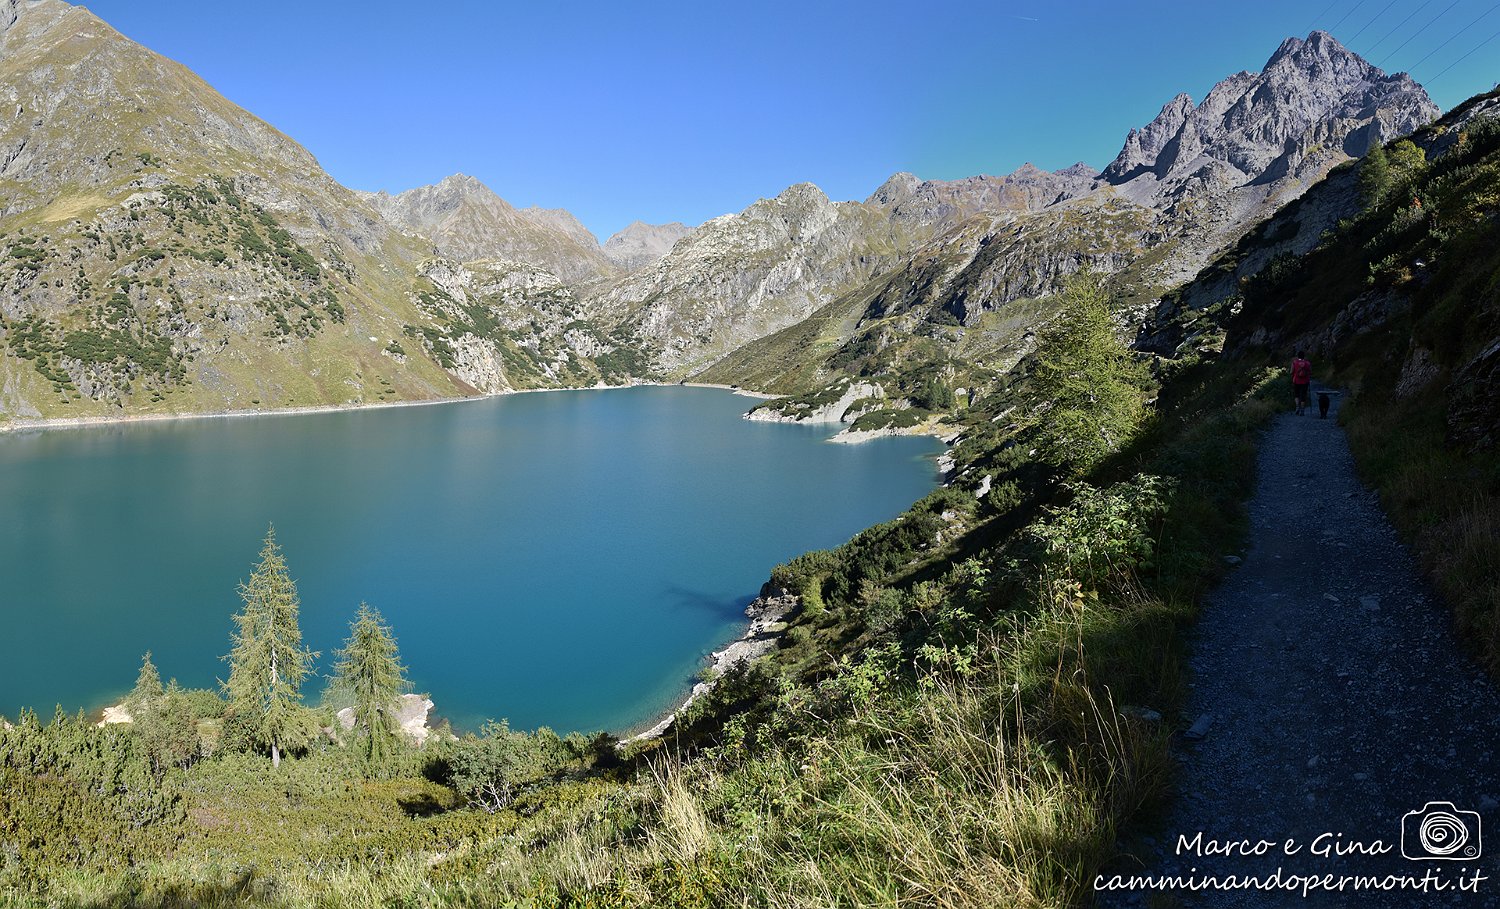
{"points": [[840, 409], [739, 277], [1474, 401], [411, 718], [767, 614]]}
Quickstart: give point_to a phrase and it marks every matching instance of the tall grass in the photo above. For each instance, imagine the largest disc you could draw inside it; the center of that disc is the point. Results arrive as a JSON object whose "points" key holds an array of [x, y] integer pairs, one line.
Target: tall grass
{"points": [[1445, 500]]}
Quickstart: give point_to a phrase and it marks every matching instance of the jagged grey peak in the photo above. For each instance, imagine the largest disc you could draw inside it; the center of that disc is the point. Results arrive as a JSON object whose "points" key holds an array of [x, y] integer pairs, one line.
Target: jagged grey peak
{"points": [[1313, 94], [1143, 144], [944, 203], [468, 221], [641, 244]]}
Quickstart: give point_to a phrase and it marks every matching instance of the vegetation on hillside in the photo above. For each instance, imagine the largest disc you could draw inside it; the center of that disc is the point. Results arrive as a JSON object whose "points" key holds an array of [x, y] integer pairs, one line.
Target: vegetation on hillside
{"points": [[965, 707]]}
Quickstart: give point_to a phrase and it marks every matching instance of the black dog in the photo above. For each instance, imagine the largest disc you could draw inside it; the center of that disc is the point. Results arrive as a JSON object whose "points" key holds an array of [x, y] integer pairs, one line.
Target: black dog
{"points": [[1323, 401]]}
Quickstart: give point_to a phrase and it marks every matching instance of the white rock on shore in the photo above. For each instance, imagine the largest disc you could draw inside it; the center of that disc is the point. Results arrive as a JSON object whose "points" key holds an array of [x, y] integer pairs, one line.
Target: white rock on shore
{"points": [[767, 622], [119, 713], [829, 413], [411, 716]]}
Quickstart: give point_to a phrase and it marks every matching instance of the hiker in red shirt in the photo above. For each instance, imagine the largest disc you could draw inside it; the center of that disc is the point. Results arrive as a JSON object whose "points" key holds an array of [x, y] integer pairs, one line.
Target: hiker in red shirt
{"points": [[1301, 378]]}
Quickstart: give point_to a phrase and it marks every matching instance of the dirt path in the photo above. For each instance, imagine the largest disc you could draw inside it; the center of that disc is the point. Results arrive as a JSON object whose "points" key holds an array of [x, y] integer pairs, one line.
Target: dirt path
{"points": [[1340, 701]]}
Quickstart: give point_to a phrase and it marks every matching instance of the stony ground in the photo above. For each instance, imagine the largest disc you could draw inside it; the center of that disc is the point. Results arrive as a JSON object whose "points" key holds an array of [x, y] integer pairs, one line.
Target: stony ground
{"points": [[1329, 696]]}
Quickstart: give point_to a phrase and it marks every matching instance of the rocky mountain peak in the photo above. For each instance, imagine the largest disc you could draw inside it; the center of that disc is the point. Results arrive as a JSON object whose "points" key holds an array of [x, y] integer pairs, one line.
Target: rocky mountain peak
{"points": [[563, 220], [1313, 94], [925, 206], [1142, 145], [1078, 171], [451, 192], [468, 221], [897, 186], [1317, 45], [803, 194]]}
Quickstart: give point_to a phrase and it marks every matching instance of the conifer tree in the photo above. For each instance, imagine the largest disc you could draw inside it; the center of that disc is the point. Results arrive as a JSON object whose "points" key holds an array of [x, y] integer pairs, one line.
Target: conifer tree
{"points": [[168, 731], [1374, 176], [370, 670], [1090, 377], [268, 662], [147, 690]]}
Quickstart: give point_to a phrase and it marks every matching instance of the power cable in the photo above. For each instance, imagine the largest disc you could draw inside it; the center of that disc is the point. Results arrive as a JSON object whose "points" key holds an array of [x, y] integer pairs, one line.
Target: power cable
{"points": [[1419, 31], [1347, 15], [1319, 17], [1451, 37], [1409, 17], [1464, 57], [1372, 21]]}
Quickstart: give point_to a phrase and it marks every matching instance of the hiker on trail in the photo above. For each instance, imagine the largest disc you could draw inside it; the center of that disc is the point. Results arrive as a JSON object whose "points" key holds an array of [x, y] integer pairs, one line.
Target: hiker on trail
{"points": [[1301, 378]]}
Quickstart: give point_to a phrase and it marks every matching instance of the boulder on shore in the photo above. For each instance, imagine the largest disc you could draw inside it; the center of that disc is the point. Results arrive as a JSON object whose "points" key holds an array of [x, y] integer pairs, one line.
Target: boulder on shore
{"points": [[411, 716]]}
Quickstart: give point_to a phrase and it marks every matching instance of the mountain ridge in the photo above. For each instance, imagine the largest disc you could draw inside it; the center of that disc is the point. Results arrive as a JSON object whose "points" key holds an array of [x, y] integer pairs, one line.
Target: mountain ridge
{"points": [[920, 271], [1183, 188]]}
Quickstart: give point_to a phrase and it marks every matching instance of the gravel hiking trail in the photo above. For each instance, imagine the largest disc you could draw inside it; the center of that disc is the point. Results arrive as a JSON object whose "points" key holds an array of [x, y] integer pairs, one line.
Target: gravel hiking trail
{"points": [[1329, 698]]}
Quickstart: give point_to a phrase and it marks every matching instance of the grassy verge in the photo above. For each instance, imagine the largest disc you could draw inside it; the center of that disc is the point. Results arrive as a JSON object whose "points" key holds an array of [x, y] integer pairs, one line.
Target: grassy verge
{"points": [[1444, 499]]}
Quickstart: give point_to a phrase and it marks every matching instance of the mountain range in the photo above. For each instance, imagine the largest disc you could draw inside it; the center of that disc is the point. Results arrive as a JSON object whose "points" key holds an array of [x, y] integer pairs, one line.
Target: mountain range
{"points": [[162, 250]]}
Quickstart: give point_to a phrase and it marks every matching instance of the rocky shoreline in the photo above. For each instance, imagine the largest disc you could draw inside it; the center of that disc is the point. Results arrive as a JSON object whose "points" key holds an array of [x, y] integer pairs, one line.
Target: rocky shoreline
{"points": [[29, 424], [767, 613]]}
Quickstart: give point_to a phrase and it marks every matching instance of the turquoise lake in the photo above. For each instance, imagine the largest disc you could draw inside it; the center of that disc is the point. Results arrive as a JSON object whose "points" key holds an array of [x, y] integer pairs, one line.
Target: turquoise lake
{"points": [[563, 559]]}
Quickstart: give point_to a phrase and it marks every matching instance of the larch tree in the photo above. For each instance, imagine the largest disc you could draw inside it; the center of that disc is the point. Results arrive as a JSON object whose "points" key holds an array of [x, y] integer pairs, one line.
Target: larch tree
{"points": [[369, 669], [148, 688], [1374, 176], [268, 662], [1091, 379]]}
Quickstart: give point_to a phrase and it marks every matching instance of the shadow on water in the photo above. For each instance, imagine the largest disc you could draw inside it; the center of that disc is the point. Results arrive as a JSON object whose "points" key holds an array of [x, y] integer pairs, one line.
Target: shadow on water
{"points": [[699, 601]]}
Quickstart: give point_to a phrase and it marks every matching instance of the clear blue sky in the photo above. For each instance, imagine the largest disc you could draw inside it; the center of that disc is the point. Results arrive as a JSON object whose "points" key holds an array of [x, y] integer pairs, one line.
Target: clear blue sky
{"points": [[687, 110]]}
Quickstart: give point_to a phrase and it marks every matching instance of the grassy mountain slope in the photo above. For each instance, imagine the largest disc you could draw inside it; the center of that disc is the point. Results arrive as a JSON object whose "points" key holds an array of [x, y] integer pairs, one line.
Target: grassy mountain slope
{"points": [[163, 251]]}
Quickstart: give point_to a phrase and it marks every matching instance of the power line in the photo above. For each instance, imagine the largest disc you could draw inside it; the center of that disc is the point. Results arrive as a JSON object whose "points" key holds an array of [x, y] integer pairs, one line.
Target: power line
{"points": [[1408, 18], [1348, 14], [1419, 31], [1454, 35], [1319, 17], [1464, 57], [1372, 21]]}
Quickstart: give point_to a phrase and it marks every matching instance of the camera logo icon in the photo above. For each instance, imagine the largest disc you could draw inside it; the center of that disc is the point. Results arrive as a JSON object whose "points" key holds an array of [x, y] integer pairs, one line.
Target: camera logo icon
{"points": [[1441, 832]]}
